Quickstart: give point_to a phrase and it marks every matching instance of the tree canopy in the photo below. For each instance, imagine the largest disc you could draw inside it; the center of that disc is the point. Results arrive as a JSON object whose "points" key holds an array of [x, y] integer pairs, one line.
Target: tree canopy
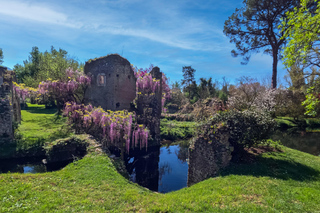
{"points": [[188, 79], [254, 28], [42, 66], [303, 32], [1, 56]]}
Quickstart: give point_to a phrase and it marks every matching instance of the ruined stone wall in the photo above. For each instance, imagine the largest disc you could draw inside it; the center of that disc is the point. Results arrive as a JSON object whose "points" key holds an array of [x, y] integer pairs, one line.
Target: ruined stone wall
{"points": [[113, 84], [207, 158], [9, 105], [149, 109], [113, 87]]}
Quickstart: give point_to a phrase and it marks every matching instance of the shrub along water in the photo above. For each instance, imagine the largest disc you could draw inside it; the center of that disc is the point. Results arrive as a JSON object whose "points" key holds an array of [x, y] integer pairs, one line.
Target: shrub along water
{"points": [[245, 128]]}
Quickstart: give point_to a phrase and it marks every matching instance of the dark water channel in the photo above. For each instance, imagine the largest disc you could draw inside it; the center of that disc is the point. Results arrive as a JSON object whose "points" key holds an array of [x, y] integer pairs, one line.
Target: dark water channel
{"points": [[301, 140], [29, 165], [162, 169]]}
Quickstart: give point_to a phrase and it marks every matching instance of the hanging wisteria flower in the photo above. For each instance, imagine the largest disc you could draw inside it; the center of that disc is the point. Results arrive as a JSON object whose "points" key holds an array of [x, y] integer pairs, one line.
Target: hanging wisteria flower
{"points": [[25, 92], [65, 89], [148, 86], [116, 127]]}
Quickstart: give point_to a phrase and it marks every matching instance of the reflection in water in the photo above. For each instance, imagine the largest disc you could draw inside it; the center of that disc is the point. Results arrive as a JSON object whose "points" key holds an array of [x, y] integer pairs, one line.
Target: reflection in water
{"points": [[164, 169], [143, 167], [301, 140], [29, 165], [161, 169]]}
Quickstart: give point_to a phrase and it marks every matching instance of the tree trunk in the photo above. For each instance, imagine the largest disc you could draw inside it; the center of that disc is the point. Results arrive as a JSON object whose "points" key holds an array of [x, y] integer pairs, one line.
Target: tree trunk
{"points": [[274, 69]]}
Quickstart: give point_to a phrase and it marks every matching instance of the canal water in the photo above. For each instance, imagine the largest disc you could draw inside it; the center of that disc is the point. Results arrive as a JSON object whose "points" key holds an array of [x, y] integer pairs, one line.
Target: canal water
{"points": [[29, 165], [162, 169], [301, 140]]}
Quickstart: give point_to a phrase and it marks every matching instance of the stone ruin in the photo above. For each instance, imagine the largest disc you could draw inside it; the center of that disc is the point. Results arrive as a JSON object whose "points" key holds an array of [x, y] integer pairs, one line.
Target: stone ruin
{"points": [[10, 110], [149, 109], [113, 84], [206, 157], [113, 87]]}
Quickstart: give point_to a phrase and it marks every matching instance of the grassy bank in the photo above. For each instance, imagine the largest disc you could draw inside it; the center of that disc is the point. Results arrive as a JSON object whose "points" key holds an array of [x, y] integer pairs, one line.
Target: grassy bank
{"points": [[275, 182], [287, 181], [174, 130], [289, 122], [38, 125]]}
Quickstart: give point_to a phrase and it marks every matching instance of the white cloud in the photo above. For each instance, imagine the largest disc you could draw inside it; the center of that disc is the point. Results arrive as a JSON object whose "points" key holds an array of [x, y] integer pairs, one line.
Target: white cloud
{"points": [[155, 21], [31, 12]]}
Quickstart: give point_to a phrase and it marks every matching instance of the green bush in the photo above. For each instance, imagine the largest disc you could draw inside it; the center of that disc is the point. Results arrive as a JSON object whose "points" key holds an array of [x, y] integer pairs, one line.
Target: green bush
{"points": [[245, 128]]}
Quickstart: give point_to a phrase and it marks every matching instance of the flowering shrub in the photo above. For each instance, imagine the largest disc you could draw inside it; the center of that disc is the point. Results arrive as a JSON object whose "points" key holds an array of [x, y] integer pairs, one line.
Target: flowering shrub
{"points": [[65, 89], [62, 90], [250, 95], [25, 92], [148, 86], [112, 126], [245, 128]]}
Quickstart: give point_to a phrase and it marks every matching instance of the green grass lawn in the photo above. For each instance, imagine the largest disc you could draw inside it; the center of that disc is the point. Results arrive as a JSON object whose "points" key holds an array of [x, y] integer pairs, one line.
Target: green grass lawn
{"points": [[175, 130], [38, 122], [289, 122], [275, 182], [38, 125]]}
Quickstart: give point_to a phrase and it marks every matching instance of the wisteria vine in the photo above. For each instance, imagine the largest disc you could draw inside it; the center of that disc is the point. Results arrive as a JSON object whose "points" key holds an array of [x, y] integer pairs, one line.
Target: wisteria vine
{"points": [[113, 126], [146, 85], [61, 90], [65, 89], [25, 92]]}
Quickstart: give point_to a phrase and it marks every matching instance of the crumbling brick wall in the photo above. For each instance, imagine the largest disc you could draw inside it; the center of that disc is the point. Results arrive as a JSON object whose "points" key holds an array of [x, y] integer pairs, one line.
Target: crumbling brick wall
{"points": [[113, 84], [207, 158], [9, 105]]}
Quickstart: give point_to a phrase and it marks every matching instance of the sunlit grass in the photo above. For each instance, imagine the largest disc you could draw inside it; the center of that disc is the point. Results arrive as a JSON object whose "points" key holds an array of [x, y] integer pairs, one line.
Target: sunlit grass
{"points": [[40, 122], [174, 130], [38, 125]]}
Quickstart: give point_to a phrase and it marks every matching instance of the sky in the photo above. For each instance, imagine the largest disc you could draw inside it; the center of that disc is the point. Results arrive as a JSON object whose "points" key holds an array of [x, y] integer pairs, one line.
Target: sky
{"points": [[169, 34]]}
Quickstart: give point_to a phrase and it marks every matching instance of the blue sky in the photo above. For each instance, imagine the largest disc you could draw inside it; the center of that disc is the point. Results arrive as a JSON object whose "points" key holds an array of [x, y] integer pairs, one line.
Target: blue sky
{"points": [[168, 34]]}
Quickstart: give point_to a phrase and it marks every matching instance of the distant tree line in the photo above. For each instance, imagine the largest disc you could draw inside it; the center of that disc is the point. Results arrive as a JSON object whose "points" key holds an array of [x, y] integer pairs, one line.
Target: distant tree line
{"points": [[41, 66]]}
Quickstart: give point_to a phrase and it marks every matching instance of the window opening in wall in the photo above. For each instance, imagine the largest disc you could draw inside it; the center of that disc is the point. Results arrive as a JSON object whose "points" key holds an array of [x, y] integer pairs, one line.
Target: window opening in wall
{"points": [[129, 76], [117, 105], [101, 80], [117, 75]]}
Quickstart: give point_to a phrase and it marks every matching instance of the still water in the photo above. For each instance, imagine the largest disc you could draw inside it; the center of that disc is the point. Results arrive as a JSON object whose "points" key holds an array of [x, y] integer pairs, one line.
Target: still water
{"points": [[29, 165], [300, 140], [162, 169]]}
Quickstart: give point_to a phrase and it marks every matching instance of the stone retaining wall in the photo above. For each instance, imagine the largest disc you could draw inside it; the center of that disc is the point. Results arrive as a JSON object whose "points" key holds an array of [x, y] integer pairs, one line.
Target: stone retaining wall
{"points": [[207, 158]]}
